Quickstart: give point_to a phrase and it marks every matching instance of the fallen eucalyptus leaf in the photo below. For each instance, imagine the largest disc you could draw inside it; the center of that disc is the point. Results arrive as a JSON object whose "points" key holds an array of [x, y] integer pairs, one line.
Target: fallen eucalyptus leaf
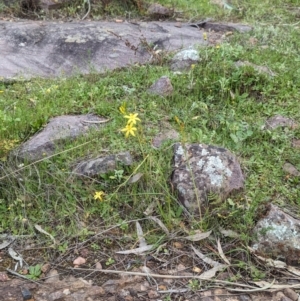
{"points": [[160, 223], [149, 210], [229, 233], [136, 251], [5, 244], [135, 178], [140, 235], [206, 259], [39, 228], [222, 253], [212, 272], [18, 257], [198, 236], [273, 263], [293, 270]]}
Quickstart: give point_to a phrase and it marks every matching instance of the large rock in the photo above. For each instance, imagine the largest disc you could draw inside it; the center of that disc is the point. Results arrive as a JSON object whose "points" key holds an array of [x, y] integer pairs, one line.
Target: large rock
{"points": [[203, 169], [278, 236], [56, 132], [37, 48]]}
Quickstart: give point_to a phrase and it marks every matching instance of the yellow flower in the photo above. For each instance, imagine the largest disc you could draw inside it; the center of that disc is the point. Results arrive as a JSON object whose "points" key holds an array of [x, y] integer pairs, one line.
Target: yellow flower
{"points": [[129, 129], [193, 66], [177, 120], [217, 46], [122, 108], [99, 195], [204, 35], [1, 91], [132, 118]]}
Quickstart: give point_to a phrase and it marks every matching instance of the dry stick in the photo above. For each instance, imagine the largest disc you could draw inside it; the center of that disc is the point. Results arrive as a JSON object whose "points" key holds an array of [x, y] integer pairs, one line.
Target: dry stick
{"points": [[89, 9], [254, 289], [23, 277]]}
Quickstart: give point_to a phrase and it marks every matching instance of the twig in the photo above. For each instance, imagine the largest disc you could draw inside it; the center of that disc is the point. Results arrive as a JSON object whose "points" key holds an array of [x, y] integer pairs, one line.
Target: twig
{"points": [[21, 276], [89, 9], [173, 277]]}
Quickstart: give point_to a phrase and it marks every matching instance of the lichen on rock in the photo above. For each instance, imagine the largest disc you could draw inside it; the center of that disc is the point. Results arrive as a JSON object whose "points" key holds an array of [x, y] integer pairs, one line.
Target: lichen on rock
{"points": [[202, 169]]}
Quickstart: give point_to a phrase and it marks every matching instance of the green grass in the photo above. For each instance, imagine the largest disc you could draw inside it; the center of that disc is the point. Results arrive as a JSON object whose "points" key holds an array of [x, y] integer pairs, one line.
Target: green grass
{"points": [[217, 102]]}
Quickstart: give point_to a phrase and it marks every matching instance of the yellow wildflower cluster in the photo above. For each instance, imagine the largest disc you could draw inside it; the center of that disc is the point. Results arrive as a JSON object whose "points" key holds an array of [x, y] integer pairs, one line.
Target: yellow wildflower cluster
{"points": [[130, 128], [99, 195]]}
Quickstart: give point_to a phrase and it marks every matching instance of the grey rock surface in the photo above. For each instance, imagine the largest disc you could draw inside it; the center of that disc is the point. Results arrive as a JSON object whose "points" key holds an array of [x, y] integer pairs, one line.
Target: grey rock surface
{"points": [[278, 236], [102, 165], [291, 169], [162, 87], [47, 49], [279, 121], [226, 27], [157, 10], [165, 135], [201, 169], [184, 59], [57, 131], [260, 69]]}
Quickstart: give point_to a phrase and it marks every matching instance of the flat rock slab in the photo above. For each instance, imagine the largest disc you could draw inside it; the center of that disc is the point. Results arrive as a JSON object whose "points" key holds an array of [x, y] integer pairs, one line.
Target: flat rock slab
{"points": [[48, 49]]}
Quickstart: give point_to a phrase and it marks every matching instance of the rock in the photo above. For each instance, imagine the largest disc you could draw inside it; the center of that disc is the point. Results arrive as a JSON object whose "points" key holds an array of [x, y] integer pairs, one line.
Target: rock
{"points": [[279, 121], [157, 10], [201, 169], [26, 294], [278, 236], [296, 143], [281, 297], [4, 277], [164, 136], [207, 299], [57, 131], [52, 4], [102, 165], [95, 291], [184, 59], [226, 27], [79, 261], [153, 294], [162, 87], [11, 290], [260, 69], [46, 267], [291, 169], [291, 294], [36, 48], [52, 276], [111, 286], [58, 295]]}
